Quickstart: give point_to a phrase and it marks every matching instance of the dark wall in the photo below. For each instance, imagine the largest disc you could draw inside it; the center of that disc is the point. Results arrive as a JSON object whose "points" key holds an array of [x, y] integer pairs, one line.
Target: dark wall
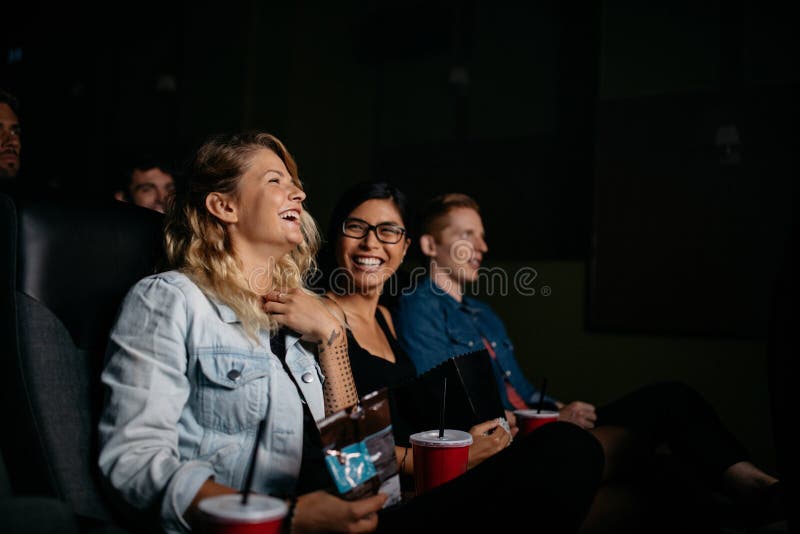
{"points": [[695, 167], [571, 126]]}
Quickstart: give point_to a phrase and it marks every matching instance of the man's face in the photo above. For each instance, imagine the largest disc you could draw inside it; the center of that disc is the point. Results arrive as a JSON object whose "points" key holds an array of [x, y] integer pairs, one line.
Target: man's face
{"points": [[151, 188], [10, 144], [460, 246]]}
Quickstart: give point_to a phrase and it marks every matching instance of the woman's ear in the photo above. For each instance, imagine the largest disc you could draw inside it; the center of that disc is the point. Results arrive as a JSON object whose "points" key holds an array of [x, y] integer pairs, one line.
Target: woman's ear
{"points": [[222, 207], [427, 243]]}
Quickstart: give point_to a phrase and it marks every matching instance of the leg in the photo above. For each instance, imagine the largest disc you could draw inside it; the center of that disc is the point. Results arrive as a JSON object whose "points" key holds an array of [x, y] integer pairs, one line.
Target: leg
{"points": [[674, 414], [624, 451]]}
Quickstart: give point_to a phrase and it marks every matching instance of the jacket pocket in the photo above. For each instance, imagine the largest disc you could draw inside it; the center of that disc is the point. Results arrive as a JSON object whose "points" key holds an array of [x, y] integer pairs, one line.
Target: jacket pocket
{"points": [[233, 390]]}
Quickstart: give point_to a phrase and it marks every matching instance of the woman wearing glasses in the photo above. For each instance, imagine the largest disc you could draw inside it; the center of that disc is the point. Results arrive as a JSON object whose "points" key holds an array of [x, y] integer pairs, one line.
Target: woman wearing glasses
{"points": [[554, 471]]}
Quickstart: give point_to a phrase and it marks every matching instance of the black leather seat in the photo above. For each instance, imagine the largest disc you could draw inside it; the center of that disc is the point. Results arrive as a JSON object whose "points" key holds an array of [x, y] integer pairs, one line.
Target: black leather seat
{"points": [[65, 266]]}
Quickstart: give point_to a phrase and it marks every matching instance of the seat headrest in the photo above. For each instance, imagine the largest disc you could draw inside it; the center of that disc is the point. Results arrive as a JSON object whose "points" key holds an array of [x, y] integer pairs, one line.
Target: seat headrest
{"points": [[80, 258]]}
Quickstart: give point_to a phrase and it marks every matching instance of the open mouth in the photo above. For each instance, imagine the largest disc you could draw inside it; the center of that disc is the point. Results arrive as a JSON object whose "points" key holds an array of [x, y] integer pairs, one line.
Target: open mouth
{"points": [[367, 263], [292, 216]]}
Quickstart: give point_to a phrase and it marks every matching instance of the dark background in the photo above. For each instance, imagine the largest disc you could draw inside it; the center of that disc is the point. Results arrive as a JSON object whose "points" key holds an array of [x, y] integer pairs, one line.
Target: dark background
{"points": [[591, 133]]}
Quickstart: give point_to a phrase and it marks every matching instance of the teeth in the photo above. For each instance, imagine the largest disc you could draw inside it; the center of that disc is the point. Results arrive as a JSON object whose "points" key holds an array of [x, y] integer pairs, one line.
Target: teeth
{"points": [[367, 261], [289, 215]]}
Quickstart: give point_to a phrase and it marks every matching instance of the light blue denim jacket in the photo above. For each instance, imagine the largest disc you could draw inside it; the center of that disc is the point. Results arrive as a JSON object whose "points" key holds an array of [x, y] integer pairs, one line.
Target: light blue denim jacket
{"points": [[186, 389]]}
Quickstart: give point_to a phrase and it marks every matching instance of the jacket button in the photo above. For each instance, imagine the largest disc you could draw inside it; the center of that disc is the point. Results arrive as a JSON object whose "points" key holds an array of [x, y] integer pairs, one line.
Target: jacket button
{"points": [[307, 378], [470, 343], [234, 374], [494, 343], [508, 373]]}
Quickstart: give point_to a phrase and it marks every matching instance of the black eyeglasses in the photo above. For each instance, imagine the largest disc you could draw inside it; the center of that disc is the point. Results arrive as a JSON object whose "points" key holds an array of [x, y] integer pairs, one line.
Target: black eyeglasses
{"points": [[385, 232]]}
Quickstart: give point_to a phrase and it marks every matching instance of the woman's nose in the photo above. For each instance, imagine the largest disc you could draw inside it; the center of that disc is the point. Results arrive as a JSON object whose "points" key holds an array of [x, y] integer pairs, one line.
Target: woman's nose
{"points": [[297, 194]]}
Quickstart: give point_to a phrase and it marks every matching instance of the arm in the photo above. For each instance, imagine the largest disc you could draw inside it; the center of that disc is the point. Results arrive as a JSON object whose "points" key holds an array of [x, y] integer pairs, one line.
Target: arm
{"points": [[307, 315], [405, 459], [488, 439], [319, 511], [147, 389], [339, 387], [577, 412]]}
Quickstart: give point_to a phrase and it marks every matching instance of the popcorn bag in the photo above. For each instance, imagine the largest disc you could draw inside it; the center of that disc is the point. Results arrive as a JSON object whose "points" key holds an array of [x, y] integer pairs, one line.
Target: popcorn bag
{"points": [[358, 446]]}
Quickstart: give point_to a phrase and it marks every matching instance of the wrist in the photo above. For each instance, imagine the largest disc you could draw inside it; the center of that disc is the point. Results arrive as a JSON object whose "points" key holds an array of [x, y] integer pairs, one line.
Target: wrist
{"points": [[328, 333]]}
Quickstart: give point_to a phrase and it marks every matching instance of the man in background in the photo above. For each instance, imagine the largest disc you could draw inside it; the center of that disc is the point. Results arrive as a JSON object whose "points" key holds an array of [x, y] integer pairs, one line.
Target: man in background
{"points": [[149, 183], [10, 142]]}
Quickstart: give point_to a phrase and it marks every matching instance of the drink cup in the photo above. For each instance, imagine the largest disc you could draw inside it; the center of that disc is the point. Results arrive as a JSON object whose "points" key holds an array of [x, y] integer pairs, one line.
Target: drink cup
{"points": [[530, 420], [225, 514], [437, 460]]}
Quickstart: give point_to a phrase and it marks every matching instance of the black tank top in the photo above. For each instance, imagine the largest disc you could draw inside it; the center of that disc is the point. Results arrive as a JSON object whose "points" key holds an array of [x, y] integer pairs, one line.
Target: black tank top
{"points": [[372, 372]]}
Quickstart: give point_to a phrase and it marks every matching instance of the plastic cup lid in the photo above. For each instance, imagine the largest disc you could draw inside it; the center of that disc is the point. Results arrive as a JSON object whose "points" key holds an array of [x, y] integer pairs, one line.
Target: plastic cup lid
{"points": [[230, 508], [451, 438], [533, 413]]}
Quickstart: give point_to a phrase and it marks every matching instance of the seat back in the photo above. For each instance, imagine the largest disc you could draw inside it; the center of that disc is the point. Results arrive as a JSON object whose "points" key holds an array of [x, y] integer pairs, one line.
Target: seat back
{"points": [[64, 268]]}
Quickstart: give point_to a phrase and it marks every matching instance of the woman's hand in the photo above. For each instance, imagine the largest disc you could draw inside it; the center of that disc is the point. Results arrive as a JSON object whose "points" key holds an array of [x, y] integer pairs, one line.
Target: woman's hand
{"points": [[577, 412], [320, 511], [488, 439], [303, 313], [208, 489]]}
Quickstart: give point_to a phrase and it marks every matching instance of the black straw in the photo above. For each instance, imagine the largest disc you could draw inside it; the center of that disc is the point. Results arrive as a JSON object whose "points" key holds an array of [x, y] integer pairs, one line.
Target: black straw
{"points": [[541, 395], [441, 413], [251, 470]]}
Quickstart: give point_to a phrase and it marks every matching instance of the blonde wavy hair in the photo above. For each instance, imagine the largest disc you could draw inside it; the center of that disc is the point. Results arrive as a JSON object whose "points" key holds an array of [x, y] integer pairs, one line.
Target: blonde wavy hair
{"points": [[198, 244]]}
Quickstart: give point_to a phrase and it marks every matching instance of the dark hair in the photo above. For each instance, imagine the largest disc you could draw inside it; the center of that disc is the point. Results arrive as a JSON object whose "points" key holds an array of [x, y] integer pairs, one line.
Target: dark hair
{"points": [[144, 161], [357, 195], [349, 201], [11, 100]]}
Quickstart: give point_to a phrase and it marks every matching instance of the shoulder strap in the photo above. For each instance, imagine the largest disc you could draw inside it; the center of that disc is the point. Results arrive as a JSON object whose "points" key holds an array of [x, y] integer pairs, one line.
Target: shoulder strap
{"points": [[341, 314]]}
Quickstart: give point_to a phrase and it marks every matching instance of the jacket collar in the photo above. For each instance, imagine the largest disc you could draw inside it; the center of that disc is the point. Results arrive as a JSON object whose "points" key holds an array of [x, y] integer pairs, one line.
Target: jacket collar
{"points": [[224, 311], [467, 304]]}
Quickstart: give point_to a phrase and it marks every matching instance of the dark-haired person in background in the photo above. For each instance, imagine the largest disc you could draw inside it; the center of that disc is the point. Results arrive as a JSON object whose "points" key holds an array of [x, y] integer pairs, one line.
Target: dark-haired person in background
{"points": [[10, 141], [148, 183], [435, 321]]}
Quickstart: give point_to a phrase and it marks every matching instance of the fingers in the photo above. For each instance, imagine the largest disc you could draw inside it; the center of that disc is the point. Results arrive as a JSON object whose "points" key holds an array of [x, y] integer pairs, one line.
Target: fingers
{"points": [[365, 513], [275, 307], [368, 505], [511, 418], [276, 296], [368, 523], [483, 428]]}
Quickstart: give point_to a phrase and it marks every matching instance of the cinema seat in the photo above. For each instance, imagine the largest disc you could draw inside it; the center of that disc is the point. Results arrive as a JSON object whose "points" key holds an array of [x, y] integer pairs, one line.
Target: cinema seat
{"points": [[65, 266]]}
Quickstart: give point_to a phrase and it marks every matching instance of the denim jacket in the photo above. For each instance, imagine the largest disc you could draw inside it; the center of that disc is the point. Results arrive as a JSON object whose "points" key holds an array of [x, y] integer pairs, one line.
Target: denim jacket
{"points": [[432, 326], [186, 389]]}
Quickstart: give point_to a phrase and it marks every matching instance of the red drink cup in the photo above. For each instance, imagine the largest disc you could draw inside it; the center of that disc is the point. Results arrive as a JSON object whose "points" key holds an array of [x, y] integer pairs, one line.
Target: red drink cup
{"points": [[225, 514], [530, 420], [437, 460]]}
